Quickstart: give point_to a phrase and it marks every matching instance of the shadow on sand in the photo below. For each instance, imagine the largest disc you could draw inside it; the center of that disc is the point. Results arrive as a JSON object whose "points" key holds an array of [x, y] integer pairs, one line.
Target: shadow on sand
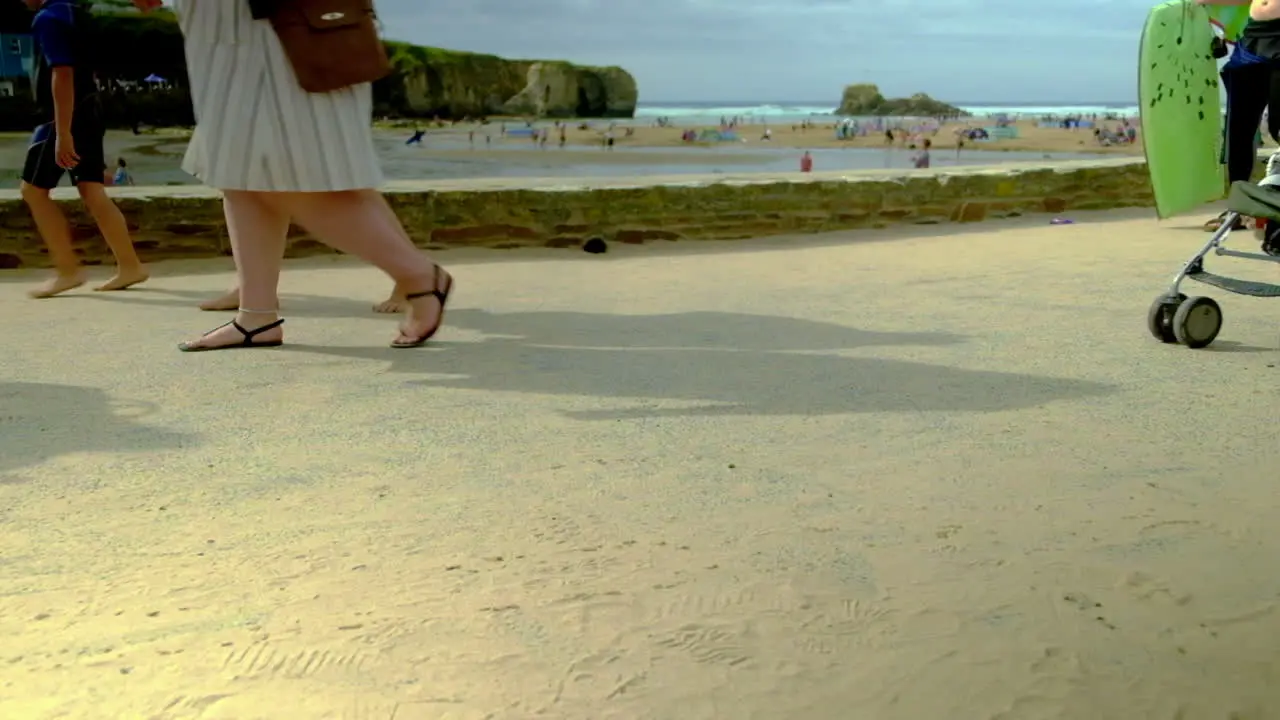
{"points": [[40, 422], [725, 363]]}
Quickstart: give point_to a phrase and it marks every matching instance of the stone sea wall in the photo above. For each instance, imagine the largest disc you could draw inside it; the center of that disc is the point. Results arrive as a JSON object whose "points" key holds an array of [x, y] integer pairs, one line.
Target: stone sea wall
{"points": [[186, 222]]}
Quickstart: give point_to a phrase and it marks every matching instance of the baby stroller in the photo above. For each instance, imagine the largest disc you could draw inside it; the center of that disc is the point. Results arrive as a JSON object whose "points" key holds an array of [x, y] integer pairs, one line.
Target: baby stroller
{"points": [[1195, 321]]}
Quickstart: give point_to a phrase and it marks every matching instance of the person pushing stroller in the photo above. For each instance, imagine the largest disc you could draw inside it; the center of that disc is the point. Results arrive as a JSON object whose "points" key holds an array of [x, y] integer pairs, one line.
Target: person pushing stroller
{"points": [[1247, 78]]}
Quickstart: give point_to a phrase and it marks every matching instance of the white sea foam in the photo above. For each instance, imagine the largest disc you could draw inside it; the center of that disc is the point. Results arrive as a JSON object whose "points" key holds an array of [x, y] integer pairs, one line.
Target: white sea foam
{"points": [[681, 113]]}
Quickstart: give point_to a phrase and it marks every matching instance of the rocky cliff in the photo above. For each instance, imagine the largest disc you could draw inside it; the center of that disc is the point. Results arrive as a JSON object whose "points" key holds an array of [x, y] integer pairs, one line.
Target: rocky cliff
{"points": [[558, 89], [866, 100], [446, 83], [428, 82]]}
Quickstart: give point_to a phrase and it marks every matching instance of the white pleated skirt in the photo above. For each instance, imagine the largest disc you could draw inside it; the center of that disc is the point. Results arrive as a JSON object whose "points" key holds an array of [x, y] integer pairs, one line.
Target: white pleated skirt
{"points": [[256, 128]]}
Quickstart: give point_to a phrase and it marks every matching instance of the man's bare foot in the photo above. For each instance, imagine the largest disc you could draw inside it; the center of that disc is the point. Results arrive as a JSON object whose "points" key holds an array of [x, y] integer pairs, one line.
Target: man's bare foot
{"points": [[57, 285], [392, 305], [227, 301], [124, 279], [247, 330]]}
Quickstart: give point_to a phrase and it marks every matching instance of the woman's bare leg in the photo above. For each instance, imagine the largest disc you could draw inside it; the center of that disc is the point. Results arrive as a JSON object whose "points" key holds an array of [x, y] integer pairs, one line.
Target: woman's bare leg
{"points": [[230, 300], [396, 303], [111, 223], [258, 224], [360, 223]]}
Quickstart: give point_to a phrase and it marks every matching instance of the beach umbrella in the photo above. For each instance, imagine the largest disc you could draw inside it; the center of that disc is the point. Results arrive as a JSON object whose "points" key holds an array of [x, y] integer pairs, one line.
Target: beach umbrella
{"points": [[153, 78]]}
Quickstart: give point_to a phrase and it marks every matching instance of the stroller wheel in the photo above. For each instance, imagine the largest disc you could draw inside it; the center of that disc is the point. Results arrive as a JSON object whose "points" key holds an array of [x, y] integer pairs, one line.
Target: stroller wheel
{"points": [[1160, 317], [1197, 322]]}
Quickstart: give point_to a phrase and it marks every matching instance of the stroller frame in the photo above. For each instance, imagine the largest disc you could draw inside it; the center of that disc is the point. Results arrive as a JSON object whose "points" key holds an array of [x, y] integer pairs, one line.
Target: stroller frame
{"points": [[1196, 321]]}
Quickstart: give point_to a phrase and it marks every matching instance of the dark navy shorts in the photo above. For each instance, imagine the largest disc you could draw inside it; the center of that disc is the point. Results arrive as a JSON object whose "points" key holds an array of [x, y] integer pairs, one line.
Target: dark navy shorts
{"points": [[41, 167]]}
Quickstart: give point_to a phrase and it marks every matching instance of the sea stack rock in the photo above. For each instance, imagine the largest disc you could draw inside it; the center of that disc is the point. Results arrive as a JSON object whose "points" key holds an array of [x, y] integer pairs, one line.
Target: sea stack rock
{"points": [[866, 100]]}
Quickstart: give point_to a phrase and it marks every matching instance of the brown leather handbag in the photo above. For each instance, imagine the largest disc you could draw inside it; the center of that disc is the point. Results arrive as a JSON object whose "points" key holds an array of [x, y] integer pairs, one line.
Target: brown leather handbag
{"points": [[332, 44]]}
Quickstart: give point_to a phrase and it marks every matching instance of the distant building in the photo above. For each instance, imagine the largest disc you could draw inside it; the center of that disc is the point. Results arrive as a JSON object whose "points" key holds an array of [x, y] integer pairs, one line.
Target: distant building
{"points": [[16, 54]]}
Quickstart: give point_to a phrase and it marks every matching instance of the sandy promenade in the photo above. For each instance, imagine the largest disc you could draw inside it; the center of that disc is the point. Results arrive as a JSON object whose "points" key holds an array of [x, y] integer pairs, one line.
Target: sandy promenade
{"points": [[947, 476]]}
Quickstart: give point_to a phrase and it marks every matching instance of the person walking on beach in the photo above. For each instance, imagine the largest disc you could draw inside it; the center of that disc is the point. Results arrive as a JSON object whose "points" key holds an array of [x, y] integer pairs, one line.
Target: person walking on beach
{"points": [[921, 159], [69, 141], [281, 154]]}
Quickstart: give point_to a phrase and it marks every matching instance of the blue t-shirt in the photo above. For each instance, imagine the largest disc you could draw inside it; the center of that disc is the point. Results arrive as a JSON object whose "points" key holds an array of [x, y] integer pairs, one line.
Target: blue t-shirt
{"points": [[53, 29], [63, 36]]}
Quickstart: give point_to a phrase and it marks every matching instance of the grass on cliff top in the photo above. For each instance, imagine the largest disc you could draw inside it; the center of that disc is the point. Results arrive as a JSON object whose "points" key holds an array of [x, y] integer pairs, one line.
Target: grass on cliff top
{"points": [[422, 55], [407, 56], [418, 55]]}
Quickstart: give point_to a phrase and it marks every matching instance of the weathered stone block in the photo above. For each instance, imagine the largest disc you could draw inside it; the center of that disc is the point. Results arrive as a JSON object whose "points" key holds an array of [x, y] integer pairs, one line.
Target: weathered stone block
{"points": [[185, 222], [1054, 205], [970, 212], [637, 237], [465, 235]]}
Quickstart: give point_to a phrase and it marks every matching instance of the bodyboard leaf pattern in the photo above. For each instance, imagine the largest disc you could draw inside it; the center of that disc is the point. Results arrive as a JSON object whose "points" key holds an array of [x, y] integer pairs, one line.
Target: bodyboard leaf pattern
{"points": [[1180, 107]]}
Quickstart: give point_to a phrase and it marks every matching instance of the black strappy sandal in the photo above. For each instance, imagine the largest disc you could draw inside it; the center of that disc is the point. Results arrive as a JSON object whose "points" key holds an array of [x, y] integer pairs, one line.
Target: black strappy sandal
{"points": [[249, 335], [438, 292]]}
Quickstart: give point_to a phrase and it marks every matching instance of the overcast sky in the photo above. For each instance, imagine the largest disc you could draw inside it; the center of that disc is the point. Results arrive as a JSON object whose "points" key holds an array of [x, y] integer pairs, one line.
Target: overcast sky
{"points": [[807, 50]]}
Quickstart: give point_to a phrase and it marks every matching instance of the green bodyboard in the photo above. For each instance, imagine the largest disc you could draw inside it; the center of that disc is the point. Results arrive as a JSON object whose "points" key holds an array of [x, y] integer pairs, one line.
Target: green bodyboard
{"points": [[1231, 18], [1180, 108]]}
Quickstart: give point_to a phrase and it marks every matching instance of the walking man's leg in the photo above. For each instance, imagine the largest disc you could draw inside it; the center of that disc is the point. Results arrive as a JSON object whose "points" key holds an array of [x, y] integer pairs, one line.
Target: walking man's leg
{"points": [[40, 174], [88, 176]]}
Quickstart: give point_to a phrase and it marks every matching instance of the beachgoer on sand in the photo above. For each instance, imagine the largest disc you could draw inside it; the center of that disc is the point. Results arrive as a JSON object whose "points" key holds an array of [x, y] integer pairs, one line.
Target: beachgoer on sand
{"points": [[122, 175], [921, 159], [69, 141], [269, 179]]}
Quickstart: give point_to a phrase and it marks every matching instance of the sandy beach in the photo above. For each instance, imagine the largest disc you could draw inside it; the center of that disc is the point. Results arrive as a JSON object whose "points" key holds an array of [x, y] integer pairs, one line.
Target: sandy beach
{"points": [[854, 476], [477, 151], [1031, 136]]}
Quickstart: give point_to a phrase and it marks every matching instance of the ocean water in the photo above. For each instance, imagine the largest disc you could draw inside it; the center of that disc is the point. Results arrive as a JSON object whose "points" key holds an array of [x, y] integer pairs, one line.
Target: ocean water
{"points": [[778, 112]]}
